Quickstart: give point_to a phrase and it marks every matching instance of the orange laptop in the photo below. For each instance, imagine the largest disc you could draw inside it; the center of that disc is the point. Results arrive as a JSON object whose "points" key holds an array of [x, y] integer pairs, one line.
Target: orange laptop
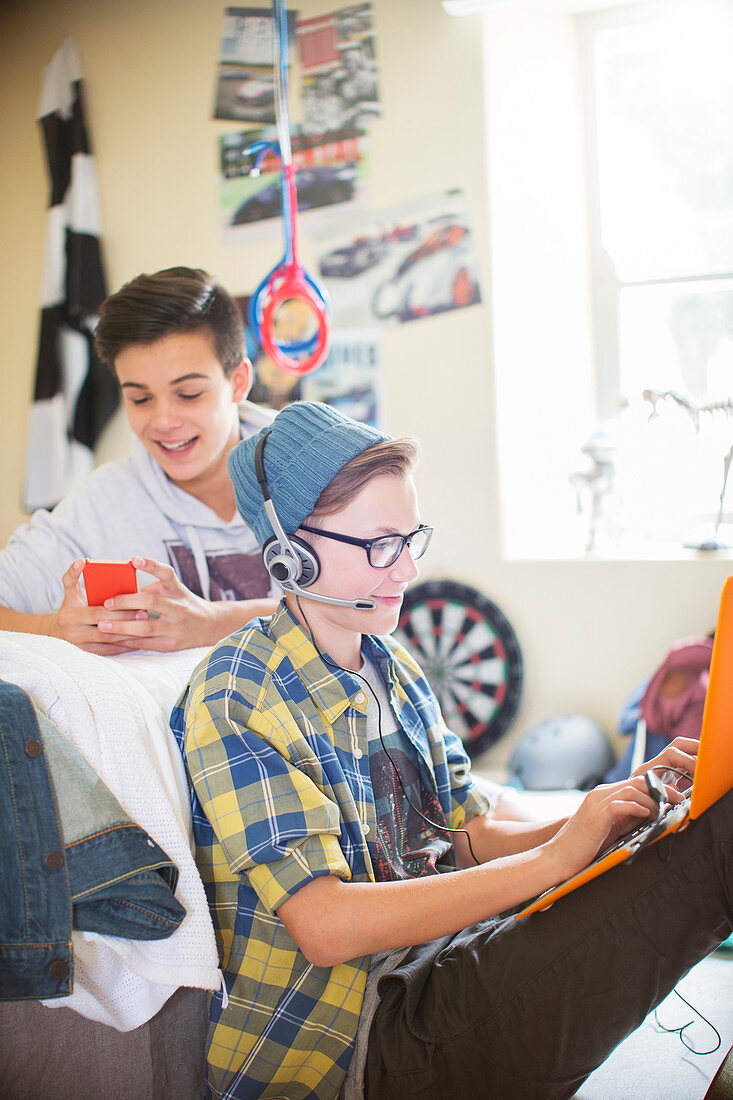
{"points": [[713, 771]]}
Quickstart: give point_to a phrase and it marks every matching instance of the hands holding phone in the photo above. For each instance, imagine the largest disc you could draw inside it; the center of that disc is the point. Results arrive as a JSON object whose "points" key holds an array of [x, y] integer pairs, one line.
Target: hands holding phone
{"points": [[77, 621], [163, 616]]}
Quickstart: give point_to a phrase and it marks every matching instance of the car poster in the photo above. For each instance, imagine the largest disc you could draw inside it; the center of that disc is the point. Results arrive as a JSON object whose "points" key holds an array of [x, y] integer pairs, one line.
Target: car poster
{"points": [[330, 172], [403, 264], [245, 87], [349, 379], [338, 70], [273, 387]]}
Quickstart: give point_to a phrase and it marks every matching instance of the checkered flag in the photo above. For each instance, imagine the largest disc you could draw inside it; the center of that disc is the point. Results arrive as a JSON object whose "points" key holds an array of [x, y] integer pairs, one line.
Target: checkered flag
{"points": [[74, 394]]}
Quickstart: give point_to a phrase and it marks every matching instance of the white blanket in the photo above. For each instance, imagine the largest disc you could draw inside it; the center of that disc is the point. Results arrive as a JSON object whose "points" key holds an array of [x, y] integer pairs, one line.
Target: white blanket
{"points": [[115, 710]]}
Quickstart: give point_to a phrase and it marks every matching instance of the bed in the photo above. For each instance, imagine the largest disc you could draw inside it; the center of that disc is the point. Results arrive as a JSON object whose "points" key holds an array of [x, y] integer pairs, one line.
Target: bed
{"points": [[135, 1022]]}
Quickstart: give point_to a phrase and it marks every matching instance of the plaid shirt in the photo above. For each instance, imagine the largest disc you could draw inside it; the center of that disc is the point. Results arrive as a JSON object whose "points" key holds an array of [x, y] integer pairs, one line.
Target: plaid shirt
{"points": [[276, 748]]}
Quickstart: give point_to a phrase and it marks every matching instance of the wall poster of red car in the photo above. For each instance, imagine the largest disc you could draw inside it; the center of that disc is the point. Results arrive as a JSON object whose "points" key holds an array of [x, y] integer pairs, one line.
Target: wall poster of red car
{"points": [[405, 263]]}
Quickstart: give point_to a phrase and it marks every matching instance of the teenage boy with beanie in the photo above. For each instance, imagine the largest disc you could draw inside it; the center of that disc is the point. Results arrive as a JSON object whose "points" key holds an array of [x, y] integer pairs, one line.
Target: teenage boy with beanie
{"points": [[328, 793], [175, 342]]}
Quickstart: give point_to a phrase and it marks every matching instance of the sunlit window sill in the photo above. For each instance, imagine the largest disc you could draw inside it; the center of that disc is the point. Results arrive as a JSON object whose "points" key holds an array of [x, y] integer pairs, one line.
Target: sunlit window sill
{"points": [[636, 552]]}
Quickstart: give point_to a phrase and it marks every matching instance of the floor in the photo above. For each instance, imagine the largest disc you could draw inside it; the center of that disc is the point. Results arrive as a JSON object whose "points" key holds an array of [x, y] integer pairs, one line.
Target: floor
{"points": [[655, 1065]]}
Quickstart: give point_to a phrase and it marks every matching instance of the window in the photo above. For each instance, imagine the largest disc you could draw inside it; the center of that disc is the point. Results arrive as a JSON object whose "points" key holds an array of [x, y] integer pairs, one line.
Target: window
{"points": [[610, 140], [658, 89]]}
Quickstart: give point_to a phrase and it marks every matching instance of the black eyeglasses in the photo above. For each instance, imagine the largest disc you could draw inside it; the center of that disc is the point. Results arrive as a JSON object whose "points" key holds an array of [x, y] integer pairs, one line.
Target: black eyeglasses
{"points": [[385, 550]]}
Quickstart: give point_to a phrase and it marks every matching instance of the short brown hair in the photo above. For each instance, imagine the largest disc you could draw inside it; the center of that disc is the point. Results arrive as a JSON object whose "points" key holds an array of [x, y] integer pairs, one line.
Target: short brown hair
{"points": [[176, 300], [389, 458]]}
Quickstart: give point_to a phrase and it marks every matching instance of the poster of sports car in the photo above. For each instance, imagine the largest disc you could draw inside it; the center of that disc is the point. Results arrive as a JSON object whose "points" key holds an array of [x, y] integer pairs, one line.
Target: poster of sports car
{"points": [[245, 87], [406, 263], [350, 378], [329, 172], [338, 70]]}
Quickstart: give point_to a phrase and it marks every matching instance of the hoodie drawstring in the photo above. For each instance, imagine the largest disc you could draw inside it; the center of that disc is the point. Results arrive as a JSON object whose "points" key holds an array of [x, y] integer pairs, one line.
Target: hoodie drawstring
{"points": [[199, 560]]}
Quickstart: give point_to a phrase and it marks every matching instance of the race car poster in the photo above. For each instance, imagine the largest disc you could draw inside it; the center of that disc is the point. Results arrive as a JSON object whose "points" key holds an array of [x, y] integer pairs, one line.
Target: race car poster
{"points": [[245, 87], [349, 379], [329, 172], [405, 263], [338, 68], [273, 387]]}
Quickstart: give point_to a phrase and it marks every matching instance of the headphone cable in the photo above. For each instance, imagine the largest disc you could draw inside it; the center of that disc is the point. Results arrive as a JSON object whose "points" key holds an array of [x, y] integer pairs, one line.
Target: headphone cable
{"points": [[327, 661]]}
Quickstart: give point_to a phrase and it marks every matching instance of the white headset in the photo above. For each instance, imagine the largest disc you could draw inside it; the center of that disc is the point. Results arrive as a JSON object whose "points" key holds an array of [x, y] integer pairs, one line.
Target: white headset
{"points": [[289, 559]]}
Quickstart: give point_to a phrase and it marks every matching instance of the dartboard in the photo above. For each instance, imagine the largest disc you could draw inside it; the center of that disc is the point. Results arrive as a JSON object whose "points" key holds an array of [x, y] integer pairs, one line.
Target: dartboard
{"points": [[470, 655]]}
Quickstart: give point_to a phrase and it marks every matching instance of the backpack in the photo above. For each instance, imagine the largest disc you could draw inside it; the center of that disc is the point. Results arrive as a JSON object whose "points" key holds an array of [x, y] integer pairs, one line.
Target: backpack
{"points": [[668, 705]]}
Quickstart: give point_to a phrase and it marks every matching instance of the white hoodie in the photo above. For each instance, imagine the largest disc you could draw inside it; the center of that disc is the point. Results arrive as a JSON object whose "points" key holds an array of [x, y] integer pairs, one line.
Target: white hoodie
{"points": [[130, 508]]}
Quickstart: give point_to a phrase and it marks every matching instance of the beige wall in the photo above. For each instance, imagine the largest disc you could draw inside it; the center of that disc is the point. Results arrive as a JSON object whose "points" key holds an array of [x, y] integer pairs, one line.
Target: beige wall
{"points": [[589, 630]]}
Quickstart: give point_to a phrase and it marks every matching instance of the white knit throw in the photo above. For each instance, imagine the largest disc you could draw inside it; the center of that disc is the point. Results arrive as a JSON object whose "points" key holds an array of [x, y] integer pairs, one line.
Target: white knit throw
{"points": [[115, 710]]}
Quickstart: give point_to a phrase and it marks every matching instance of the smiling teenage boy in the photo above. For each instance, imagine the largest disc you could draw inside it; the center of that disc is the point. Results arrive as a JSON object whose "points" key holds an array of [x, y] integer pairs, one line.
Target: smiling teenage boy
{"points": [[175, 343], [329, 795]]}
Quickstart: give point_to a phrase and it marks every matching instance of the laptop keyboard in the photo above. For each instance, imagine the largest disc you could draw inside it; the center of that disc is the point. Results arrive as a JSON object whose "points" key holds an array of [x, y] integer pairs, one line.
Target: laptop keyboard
{"points": [[648, 831]]}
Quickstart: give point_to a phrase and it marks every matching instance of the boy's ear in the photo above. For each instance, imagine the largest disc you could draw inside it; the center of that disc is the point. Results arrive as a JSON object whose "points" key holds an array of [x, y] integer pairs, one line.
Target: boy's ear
{"points": [[242, 380]]}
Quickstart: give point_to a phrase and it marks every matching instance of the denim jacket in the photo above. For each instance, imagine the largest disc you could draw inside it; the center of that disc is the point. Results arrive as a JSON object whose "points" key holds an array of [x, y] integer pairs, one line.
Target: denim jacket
{"points": [[70, 857]]}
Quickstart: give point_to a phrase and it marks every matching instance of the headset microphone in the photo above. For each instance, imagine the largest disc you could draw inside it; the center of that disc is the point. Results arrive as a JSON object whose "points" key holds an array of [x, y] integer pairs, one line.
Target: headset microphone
{"points": [[289, 559], [364, 604]]}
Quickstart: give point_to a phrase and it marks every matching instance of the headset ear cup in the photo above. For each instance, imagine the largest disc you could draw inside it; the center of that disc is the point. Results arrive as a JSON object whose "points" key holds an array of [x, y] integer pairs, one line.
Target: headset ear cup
{"points": [[310, 566], [301, 569]]}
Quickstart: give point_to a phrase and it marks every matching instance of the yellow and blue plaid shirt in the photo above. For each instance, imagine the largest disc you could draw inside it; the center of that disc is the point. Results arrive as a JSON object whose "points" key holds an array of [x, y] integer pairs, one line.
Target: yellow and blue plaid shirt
{"points": [[276, 748]]}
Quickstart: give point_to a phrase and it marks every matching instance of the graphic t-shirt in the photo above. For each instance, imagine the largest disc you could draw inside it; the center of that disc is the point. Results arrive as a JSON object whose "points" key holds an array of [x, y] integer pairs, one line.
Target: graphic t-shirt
{"points": [[406, 845], [233, 574]]}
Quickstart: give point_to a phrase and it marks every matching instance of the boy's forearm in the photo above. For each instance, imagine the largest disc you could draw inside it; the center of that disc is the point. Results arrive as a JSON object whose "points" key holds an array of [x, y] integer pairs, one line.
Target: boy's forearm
{"points": [[492, 837], [28, 623], [334, 921]]}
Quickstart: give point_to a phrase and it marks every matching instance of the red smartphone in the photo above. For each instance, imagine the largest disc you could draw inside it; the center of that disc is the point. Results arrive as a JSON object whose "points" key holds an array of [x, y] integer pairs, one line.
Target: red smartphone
{"points": [[103, 579]]}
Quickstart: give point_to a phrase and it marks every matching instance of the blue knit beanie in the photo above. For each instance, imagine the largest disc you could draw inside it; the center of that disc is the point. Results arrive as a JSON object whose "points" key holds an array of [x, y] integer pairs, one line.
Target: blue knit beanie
{"points": [[308, 443]]}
